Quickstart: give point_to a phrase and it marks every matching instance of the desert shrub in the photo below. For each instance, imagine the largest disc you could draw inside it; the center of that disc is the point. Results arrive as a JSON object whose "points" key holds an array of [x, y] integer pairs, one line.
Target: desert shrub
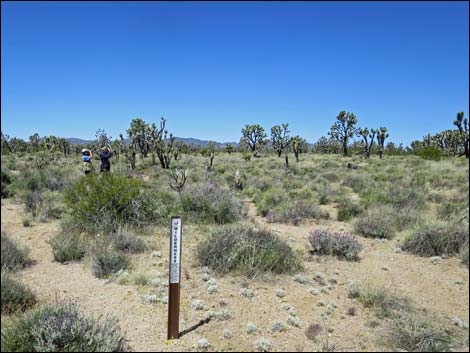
{"points": [[449, 210], [355, 182], [335, 244], [209, 203], [107, 262], [26, 220], [399, 194], [12, 255], [125, 240], [15, 295], [405, 218], [269, 200], [52, 207], [348, 209], [297, 211], [33, 201], [102, 202], [376, 223], [31, 179], [415, 332], [247, 250], [464, 253], [379, 298], [7, 180], [68, 247], [60, 327], [312, 331], [430, 152], [434, 238], [325, 194]]}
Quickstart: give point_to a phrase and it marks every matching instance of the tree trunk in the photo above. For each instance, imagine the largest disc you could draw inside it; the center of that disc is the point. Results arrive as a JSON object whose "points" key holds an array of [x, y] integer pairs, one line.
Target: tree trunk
{"points": [[287, 160]]}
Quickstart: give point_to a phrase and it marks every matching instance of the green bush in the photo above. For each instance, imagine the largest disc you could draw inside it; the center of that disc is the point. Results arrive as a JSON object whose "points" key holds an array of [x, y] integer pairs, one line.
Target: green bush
{"points": [[12, 255], [7, 180], [415, 332], [60, 327], [209, 203], [68, 247], [102, 202], [248, 251], [106, 262], [430, 152], [15, 295], [376, 223], [348, 209], [434, 238]]}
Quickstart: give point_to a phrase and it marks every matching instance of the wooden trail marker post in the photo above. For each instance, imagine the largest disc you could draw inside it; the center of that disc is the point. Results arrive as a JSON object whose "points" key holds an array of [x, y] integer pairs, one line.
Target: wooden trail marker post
{"points": [[176, 232]]}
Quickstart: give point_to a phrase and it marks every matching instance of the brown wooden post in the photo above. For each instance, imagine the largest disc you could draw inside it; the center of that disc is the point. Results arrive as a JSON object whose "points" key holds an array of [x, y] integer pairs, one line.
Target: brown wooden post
{"points": [[176, 234]]}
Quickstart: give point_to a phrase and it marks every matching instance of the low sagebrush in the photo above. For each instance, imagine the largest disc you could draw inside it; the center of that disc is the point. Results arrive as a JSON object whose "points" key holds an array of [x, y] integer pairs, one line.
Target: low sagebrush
{"points": [[434, 238], [341, 245], [210, 203], [125, 240], [12, 255], [60, 327], [247, 250], [297, 211], [15, 295], [107, 262], [376, 223]]}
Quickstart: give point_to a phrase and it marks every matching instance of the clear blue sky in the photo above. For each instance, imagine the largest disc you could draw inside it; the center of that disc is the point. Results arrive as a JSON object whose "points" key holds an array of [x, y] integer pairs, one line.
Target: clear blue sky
{"points": [[69, 69]]}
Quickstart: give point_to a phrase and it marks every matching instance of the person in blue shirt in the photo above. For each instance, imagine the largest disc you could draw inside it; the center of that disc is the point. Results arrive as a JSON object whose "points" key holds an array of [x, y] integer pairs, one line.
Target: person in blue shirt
{"points": [[87, 157]]}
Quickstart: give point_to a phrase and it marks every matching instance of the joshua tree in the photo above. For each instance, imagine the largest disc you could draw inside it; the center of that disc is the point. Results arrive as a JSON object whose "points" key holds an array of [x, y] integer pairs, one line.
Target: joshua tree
{"points": [[280, 138], [34, 142], [139, 132], [229, 148], [102, 138], [50, 143], [179, 148], [297, 143], [211, 154], [253, 136], [64, 146], [381, 136], [179, 177], [118, 148], [364, 133], [448, 141], [343, 129], [462, 125], [5, 142], [129, 150], [164, 145]]}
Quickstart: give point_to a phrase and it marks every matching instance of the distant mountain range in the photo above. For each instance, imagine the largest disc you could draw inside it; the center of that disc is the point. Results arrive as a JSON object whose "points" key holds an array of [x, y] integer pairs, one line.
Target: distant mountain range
{"points": [[188, 140]]}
